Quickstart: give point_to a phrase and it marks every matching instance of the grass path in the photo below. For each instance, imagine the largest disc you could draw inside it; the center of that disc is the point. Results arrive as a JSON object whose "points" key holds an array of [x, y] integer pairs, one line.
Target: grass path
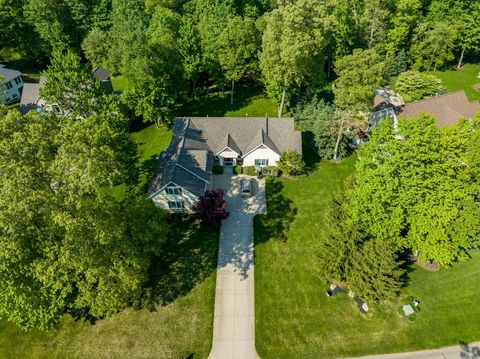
{"points": [[294, 318]]}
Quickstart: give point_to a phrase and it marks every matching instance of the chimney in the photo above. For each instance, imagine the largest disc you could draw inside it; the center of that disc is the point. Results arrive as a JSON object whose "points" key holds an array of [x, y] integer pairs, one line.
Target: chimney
{"points": [[266, 124]]}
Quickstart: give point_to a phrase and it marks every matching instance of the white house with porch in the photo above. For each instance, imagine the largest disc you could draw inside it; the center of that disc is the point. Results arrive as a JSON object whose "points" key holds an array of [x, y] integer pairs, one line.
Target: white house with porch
{"points": [[200, 142]]}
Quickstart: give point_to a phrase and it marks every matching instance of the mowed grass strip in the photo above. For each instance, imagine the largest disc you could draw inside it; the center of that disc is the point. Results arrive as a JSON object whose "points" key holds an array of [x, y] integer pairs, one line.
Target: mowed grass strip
{"points": [[295, 319]]}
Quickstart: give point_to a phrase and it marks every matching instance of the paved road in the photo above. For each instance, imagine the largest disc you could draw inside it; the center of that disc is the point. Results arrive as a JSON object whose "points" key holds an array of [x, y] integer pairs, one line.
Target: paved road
{"points": [[234, 318], [470, 351]]}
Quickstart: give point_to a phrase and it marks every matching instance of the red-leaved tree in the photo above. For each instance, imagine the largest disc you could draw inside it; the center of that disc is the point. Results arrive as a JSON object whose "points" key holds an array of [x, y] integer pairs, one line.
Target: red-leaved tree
{"points": [[211, 209]]}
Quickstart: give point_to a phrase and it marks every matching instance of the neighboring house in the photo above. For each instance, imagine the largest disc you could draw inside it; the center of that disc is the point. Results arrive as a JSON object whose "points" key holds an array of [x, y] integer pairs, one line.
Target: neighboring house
{"points": [[31, 93], [11, 84], [184, 168], [448, 108]]}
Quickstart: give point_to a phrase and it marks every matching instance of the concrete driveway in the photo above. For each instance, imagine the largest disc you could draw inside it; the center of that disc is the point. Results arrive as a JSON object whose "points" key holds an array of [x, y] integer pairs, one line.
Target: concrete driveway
{"points": [[234, 318]]}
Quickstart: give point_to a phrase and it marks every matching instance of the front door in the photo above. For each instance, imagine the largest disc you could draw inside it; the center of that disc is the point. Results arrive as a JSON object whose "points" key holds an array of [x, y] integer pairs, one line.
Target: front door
{"points": [[228, 161]]}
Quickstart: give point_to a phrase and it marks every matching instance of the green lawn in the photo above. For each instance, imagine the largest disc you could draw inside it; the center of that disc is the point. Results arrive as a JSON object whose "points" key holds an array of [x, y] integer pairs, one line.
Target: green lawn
{"points": [[185, 281], [150, 140], [463, 79], [248, 101], [119, 83], [295, 319]]}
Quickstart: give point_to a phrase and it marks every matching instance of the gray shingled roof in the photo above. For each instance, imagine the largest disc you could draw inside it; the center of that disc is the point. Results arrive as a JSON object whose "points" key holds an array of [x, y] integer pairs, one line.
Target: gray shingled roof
{"points": [[188, 160], [448, 108], [101, 74], [8, 74], [244, 132]]}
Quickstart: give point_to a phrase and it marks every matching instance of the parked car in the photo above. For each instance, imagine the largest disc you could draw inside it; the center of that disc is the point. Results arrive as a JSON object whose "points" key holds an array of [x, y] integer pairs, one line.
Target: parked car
{"points": [[246, 187]]}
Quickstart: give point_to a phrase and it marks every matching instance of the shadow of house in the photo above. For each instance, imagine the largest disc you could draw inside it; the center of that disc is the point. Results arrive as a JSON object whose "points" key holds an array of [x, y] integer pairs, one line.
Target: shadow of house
{"points": [[276, 223]]}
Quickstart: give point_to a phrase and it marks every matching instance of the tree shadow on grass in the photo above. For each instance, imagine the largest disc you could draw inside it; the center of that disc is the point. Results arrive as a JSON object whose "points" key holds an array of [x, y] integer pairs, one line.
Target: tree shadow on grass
{"points": [[189, 257], [280, 214], [213, 104]]}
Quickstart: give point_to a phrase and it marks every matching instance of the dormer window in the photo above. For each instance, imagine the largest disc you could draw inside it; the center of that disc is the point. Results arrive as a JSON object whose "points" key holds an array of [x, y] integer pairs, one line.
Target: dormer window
{"points": [[173, 190]]}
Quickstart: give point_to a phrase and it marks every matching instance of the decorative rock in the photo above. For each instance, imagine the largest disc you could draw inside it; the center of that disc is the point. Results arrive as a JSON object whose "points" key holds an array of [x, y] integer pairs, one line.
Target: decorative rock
{"points": [[365, 307], [408, 310]]}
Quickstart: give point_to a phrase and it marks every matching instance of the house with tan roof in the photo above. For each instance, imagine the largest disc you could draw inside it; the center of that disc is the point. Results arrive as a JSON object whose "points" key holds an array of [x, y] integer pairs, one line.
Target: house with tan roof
{"points": [[447, 108], [184, 169]]}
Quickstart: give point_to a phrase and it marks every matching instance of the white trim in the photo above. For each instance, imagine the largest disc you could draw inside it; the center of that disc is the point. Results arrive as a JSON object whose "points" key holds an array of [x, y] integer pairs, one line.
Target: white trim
{"points": [[256, 148], [163, 187], [227, 148]]}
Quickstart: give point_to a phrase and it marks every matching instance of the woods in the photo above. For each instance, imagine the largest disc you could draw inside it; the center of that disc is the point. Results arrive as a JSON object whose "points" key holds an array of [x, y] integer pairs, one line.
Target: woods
{"points": [[168, 51]]}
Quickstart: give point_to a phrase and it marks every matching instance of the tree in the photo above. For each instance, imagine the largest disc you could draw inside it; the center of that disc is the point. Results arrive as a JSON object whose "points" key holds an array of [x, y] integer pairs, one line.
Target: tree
{"points": [[96, 46], [291, 163], [70, 85], [402, 23], [369, 267], [358, 75], [324, 121], [338, 243], [413, 193], [213, 17], [375, 15], [155, 72], [211, 208], [237, 49], [375, 272], [292, 54], [432, 45], [414, 85], [469, 30], [68, 245], [190, 51]]}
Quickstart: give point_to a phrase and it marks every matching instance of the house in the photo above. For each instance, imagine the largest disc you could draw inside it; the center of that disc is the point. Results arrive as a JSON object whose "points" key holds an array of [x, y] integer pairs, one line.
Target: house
{"points": [[11, 84], [31, 100], [447, 108], [184, 169]]}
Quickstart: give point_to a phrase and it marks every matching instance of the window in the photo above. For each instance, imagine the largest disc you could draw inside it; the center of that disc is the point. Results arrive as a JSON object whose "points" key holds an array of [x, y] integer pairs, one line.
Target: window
{"points": [[173, 190], [176, 205], [9, 85], [18, 80], [261, 162]]}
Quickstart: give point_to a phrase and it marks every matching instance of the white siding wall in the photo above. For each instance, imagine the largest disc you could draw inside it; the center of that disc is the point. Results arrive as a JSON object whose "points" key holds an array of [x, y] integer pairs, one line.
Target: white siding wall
{"points": [[261, 153], [161, 199], [14, 92]]}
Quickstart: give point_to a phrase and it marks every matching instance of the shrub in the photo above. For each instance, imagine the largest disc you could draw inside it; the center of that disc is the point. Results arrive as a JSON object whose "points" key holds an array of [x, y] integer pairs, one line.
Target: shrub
{"points": [[218, 170], [414, 85], [211, 208], [291, 163], [237, 170], [250, 171], [271, 171]]}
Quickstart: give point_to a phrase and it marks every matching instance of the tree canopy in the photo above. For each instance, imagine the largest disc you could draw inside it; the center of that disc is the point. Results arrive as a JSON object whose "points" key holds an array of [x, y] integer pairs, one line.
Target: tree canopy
{"points": [[418, 192]]}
